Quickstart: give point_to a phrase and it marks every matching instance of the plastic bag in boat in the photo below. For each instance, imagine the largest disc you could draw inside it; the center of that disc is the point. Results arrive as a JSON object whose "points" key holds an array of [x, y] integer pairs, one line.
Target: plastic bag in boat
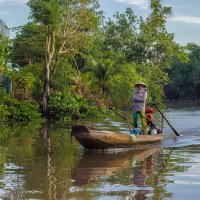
{"points": [[136, 131]]}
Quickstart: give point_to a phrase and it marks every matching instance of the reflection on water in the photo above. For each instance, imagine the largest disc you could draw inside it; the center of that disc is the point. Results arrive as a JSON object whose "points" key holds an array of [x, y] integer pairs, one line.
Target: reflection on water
{"points": [[35, 163], [134, 168], [43, 162], [93, 166]]}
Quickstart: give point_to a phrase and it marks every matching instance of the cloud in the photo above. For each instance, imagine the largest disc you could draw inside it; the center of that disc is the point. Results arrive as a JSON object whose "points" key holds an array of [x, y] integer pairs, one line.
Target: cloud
{"points": [[142, 4], [185, 19], [12, 2], [4, 12]]}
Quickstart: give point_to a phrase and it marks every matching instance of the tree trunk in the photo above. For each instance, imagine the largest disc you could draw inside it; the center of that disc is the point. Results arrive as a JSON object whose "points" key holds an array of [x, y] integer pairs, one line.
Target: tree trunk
{"points": [[50, 48], [46, 89]]}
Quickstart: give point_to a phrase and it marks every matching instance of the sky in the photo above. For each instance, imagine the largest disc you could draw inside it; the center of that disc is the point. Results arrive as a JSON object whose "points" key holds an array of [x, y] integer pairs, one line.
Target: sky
{"points": [[184, 22]]}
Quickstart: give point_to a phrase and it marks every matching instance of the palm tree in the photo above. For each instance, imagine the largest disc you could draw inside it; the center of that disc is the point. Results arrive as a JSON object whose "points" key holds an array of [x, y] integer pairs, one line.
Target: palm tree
{"points": [[99, 72]]}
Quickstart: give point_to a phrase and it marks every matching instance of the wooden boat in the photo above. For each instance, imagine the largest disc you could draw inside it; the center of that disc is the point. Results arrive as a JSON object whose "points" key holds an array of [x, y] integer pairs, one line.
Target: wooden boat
{"points": [[99, 139]]}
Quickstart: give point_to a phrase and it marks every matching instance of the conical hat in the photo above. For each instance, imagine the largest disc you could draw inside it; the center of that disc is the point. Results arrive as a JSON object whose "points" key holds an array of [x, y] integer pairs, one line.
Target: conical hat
{"points": [[141, 83]]}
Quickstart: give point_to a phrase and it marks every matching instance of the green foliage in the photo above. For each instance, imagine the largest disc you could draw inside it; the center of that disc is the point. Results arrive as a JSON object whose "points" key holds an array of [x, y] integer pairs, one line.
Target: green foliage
{"points": [[5, 50], [62, 75], [23, 110], [65, 37], [45, 12], [35, 70], [152, 74], [3, 113], [28, 46], [147, 44], [155, 94], [185, 77], [18, 110], [68, 106], [68, 27], [63, 20], [122, 86], [158, 45], [100, 69], [22, 82], [121, 32]]}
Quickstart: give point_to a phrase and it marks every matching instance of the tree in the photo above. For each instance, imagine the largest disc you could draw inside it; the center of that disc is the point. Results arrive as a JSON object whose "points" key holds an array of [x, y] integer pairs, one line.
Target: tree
{"points": [[144, 41], [22, 84], [28, 45], [146, 44], [121, 32], [100, 68], [159, 47], [185, 77], [122, 86], [68, 26]]}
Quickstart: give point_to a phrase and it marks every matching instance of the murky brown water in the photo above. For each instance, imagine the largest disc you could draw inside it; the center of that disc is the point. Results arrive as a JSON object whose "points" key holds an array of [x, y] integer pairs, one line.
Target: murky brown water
{"points": [[44, 163]]}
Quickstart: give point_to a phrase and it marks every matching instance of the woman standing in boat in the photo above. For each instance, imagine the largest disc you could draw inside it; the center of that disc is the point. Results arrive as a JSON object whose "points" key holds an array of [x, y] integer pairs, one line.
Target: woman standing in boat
{"points": [[139, 99]]}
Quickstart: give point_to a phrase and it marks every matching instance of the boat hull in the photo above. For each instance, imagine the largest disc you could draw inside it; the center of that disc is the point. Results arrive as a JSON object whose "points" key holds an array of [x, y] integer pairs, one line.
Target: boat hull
{"points": [[98, 139]]}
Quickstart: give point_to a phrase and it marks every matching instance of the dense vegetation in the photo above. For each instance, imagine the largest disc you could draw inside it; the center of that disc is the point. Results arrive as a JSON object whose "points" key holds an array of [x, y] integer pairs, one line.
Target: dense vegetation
{"points": [[73, 63], [184, 78]]}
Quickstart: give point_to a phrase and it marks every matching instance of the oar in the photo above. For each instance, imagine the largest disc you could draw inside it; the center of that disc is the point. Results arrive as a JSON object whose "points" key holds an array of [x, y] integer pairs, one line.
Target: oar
{"points": [[167, 121], [125, 118], [128, 123], [121, 116]]}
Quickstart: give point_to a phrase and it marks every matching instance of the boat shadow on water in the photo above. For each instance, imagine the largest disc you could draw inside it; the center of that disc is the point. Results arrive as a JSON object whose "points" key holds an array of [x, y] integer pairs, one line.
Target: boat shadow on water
{"points": [[93, 166]]}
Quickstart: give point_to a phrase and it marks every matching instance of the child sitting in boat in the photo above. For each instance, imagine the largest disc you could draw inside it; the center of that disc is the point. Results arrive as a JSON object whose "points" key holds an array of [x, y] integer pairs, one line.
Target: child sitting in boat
{"points": [[149, 118]]}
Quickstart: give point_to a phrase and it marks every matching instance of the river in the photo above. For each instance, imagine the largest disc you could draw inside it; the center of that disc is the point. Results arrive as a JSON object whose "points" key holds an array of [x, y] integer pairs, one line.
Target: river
{"points": [[44, 162]]}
